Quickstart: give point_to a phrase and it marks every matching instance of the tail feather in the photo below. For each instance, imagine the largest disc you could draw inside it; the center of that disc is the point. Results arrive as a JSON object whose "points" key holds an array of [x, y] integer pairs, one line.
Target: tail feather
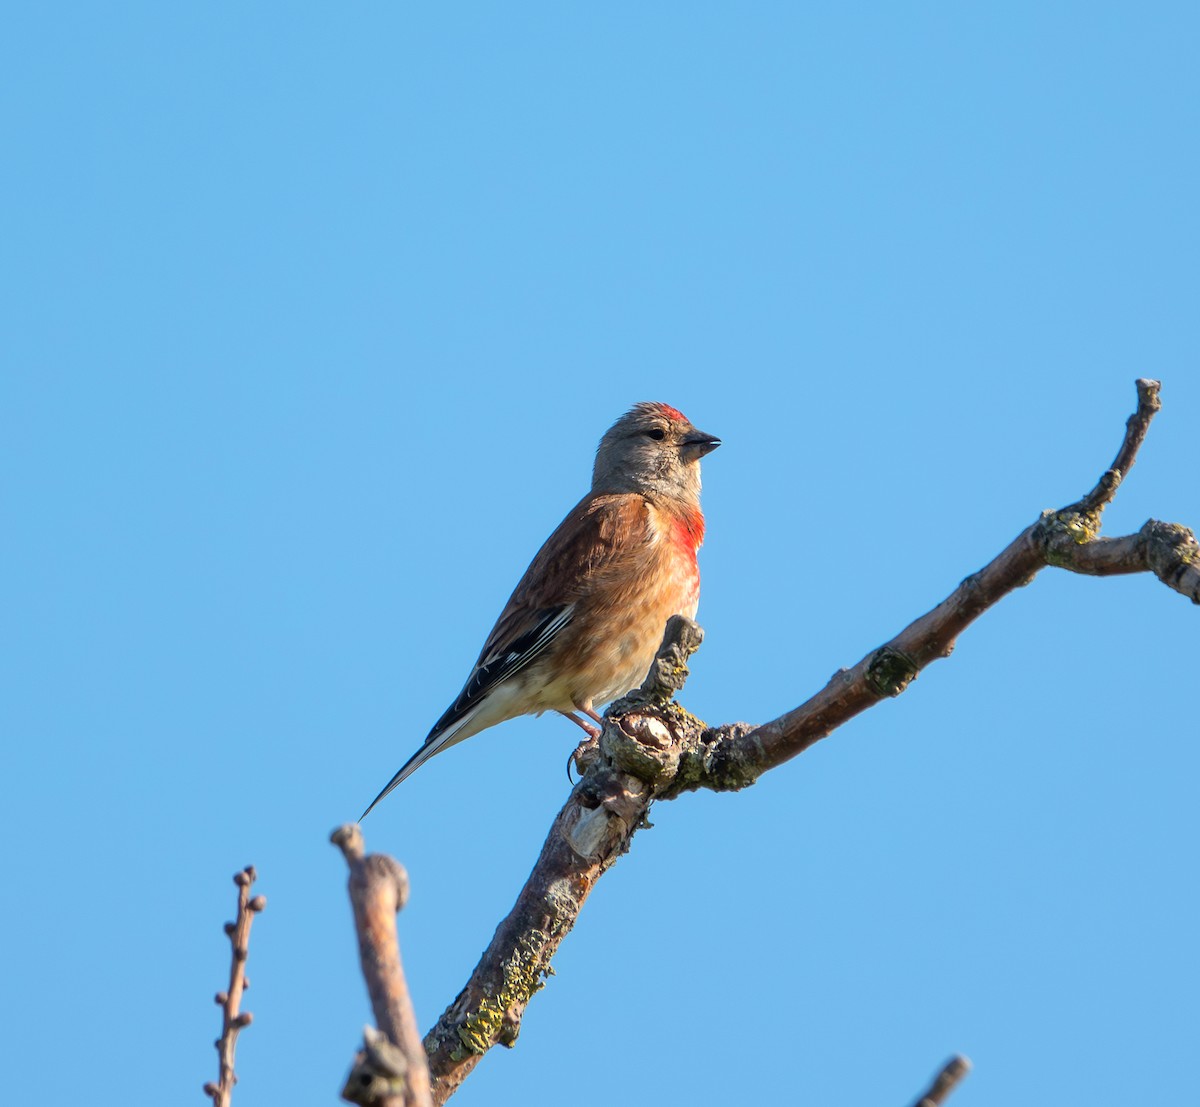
{"points": [[437, 741]]}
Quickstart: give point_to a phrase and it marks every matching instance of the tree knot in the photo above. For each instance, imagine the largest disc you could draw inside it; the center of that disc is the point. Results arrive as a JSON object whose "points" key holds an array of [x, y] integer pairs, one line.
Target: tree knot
{"points": [[1058, 532], [890, 671]]}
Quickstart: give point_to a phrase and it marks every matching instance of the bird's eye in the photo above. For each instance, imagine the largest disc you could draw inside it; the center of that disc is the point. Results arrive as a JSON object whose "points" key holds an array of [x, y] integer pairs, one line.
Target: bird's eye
{"points": [[658, 434]]}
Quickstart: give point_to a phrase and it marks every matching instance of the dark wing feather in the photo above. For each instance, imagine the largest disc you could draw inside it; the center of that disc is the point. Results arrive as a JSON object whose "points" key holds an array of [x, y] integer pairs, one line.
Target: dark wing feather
{"points": [[499, 664]]}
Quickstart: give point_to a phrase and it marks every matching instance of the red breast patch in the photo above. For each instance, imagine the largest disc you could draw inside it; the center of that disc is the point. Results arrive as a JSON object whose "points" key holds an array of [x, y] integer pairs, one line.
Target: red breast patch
{"points": [[688, 530]]}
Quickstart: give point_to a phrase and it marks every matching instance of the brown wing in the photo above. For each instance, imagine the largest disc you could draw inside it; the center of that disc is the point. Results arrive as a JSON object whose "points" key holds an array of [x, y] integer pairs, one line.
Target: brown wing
{"points": [[600, 536]]}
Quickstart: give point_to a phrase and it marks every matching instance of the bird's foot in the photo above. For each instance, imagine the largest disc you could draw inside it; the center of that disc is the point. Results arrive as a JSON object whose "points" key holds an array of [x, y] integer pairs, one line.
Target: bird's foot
{"points": [[589, 749], [584, 755]]}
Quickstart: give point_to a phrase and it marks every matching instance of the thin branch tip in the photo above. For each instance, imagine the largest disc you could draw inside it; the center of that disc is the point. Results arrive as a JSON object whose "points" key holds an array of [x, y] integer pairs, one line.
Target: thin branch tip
{"points": [[1148, 390], [948, 1078], [233, 1019], [349, 839], [1136, 426]]}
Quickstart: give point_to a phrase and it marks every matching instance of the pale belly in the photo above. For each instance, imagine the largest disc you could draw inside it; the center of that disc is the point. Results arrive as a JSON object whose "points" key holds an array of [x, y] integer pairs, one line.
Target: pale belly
{"points": [[591, 669]]}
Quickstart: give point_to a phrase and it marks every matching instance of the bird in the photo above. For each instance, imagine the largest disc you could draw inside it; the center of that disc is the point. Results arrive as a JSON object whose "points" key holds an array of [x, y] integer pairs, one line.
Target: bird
{"points": [[584, 623]]}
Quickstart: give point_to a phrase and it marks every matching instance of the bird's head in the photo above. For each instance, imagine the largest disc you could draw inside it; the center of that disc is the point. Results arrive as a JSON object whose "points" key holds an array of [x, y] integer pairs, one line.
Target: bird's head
{"points": [[652, 449]]}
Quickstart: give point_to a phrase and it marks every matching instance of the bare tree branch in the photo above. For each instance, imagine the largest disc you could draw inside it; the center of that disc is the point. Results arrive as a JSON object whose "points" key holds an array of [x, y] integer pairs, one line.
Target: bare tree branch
{"points": [[230, 1001], [391, 1070], [1066, 539], [653, 749], [945, 1082]]}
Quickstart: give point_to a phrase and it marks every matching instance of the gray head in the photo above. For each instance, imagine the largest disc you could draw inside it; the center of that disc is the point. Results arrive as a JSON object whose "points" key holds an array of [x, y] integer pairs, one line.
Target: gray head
{"points": [[652, 449]]}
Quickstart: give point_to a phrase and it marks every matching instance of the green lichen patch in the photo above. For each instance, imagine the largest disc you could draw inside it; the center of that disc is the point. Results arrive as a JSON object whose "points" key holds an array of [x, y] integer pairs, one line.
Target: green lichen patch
{"points": [[492, 1022], [1075, 527]]}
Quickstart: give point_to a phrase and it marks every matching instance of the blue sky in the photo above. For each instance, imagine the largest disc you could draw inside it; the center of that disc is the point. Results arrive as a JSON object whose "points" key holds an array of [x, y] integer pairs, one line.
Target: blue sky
{"points": [[311, 321]]}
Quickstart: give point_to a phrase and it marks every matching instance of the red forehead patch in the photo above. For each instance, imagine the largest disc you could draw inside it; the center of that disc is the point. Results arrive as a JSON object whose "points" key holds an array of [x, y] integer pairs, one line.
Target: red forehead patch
{"points": [[671, 412]]}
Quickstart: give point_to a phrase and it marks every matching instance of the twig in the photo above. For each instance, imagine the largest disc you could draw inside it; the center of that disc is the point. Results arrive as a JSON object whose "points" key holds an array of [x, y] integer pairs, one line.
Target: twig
{"points": [[1136, 427], [945, 1082], [234, 1020], [652, 749], [391, 1070]]}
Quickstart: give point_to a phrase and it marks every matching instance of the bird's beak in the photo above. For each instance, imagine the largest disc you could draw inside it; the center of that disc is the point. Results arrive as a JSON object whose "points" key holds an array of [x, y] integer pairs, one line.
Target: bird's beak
{"points": [[697, 444]]}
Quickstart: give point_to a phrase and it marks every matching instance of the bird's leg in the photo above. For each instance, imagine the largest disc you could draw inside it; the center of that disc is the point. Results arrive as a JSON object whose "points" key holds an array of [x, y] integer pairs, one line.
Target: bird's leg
{"points": [[593, 732]]}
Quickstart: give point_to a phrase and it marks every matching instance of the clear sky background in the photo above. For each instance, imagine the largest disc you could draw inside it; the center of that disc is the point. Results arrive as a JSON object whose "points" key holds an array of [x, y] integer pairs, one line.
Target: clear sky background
{"points": [[312, 317]]}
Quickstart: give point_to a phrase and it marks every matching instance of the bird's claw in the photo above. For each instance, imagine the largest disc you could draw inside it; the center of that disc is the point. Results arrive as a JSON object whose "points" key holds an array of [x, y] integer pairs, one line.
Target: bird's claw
{"points": [[585, 754]]}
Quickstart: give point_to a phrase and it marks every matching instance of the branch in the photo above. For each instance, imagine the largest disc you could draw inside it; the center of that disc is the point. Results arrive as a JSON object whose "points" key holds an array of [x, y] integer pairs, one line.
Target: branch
{"points": [[1136, 427], [945, 1082], [653, 749], [1066, 539], [230, 1001], [592, 830], [391, 1070]]}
